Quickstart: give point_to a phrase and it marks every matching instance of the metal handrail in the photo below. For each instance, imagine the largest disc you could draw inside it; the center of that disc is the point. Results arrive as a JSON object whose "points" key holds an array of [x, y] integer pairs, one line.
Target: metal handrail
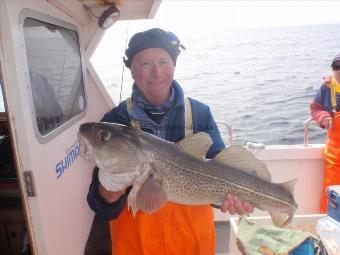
{"points": [[229, 131], [306, 138]]}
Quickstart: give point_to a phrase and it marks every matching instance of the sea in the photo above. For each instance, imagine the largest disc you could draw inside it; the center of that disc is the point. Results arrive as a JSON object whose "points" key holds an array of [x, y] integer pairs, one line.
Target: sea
{"points": [[260, 81]]}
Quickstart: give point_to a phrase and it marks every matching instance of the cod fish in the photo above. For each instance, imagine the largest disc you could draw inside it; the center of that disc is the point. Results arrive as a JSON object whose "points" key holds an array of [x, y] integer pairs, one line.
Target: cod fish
{"points": [[180, 173]]}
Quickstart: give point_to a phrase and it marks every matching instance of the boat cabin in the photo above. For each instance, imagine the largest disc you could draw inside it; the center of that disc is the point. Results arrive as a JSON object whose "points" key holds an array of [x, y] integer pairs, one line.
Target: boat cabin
{"points": [[49, 88]]}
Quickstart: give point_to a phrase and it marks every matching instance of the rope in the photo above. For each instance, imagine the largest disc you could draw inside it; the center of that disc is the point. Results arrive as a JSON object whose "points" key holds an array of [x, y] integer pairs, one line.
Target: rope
{"points": [[123, 70]]}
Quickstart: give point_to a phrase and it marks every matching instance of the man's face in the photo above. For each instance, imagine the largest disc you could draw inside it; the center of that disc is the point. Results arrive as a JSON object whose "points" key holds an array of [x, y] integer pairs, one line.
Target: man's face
{"points": [[153, 71], [336, 70]]}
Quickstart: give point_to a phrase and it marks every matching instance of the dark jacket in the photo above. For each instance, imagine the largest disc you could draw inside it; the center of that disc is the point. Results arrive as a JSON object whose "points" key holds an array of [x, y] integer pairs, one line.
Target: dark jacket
{"points": [[321, 106], [171, 129]]}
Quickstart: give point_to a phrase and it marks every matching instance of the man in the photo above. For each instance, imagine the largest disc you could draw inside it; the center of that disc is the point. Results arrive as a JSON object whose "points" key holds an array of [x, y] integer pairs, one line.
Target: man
{"points": [[325, 110], [157, 106]]}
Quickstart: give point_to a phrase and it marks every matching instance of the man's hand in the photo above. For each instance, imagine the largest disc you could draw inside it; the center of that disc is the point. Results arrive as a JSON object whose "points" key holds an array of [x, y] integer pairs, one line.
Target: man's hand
{"points": [[234, 205], [326, 123]]}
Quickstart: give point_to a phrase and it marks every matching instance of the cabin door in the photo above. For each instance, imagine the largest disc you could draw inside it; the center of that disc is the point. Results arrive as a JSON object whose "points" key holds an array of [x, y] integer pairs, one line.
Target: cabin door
{"points": [[44, 79], [13, 231]]}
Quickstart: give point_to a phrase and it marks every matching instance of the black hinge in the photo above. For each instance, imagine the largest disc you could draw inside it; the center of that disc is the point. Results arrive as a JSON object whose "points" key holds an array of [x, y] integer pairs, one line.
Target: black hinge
{"points": [[29, 183]]}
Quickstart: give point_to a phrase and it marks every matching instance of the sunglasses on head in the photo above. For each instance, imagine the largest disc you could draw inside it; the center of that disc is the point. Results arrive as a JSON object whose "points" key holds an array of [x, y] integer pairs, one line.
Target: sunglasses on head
{"points": [[336, 68]]}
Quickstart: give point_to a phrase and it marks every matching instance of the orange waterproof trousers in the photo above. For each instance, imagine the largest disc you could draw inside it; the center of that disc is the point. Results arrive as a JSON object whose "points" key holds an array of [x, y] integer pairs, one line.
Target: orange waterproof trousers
{"points": [[332, 160], [173, 230]]}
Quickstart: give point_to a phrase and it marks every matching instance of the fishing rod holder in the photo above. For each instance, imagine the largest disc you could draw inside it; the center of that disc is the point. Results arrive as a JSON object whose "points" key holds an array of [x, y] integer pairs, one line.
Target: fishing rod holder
{"points": [[229, 131], [306, 138]]}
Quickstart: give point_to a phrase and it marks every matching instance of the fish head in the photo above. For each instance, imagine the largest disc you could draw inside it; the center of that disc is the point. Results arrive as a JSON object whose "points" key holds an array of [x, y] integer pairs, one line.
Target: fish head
{"points": [[113, 147]]}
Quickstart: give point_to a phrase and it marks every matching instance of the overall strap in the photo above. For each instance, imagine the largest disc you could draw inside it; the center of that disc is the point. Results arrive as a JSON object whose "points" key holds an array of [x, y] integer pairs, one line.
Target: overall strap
{"points": [[134, 123], [333, 97], [188, 117], [333, 87]]}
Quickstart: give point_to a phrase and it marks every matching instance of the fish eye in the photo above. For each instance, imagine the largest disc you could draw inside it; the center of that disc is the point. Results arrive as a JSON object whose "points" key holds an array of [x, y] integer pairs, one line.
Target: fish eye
{"points": [[104, 136]]}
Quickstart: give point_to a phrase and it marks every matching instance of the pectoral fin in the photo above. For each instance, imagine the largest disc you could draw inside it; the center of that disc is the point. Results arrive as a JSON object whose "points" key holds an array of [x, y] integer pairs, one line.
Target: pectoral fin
{"points": [[147, 193], [238, 157], [196, 145], [151, 196], [145, 172]]}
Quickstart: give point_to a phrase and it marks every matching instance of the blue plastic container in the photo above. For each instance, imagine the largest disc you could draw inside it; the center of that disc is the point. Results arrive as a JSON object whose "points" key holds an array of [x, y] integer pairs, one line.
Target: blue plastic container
{"points": [[333, 193]]}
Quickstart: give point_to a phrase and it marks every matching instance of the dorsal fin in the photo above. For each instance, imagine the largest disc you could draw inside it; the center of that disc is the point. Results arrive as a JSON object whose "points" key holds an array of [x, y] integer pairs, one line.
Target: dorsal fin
{"points": [[289, 185], [196, 145], [240, 158]]}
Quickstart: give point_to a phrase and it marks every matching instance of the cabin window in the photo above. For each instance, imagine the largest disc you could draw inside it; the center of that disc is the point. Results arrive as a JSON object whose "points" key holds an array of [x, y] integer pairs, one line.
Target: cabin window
{"points": [[55, 73]]}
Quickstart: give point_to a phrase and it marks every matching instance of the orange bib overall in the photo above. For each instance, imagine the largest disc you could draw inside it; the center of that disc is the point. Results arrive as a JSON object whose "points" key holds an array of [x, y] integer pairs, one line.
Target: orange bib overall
{"points": [[332, 160], [174, 229]]}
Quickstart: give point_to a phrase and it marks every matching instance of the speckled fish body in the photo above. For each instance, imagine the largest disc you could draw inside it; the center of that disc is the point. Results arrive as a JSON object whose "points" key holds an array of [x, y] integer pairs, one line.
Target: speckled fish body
{"points": [[176, 175]]}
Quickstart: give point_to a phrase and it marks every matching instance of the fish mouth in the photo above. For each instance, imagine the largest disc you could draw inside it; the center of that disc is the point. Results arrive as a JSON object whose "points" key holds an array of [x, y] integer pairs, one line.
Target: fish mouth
{"points": [[86, 149]]}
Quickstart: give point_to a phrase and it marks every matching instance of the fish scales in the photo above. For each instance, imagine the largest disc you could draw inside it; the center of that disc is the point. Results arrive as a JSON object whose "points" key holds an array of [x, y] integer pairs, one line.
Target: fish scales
{"points": [[212, 177]]}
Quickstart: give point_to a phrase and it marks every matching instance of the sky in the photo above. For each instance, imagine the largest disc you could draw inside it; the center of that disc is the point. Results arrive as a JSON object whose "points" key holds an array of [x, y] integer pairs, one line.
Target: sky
{"points": [[195, 16], [186, 18]]}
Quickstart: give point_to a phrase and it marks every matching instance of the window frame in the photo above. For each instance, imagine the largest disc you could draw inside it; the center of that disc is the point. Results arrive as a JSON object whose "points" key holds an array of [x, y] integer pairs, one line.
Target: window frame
{"points": [[28, 13]]}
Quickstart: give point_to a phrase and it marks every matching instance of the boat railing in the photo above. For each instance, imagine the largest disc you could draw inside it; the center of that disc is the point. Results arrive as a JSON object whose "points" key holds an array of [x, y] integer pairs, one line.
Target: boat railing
{"points": [[306, 138], [229, 131]]}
